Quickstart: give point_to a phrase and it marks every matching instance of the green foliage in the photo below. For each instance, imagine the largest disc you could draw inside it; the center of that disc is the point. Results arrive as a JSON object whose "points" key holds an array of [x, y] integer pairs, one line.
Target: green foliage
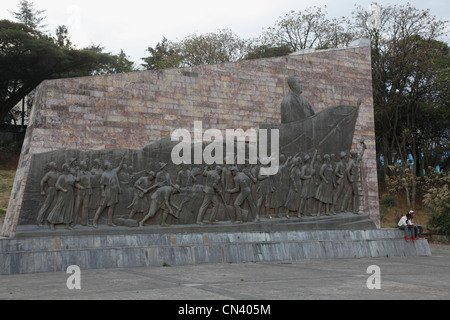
{"points": [[6, 185], [266, 51], [388, 201], [197, 49], [113, 64], [62, 37], [2, 214], [28, 56], [410, 85], [437, 186], [29, 16], [410, 80], [437, 200], [165, 55], [308, 29], [122, 64], [211, 48], [401, 180], [439, 220]]}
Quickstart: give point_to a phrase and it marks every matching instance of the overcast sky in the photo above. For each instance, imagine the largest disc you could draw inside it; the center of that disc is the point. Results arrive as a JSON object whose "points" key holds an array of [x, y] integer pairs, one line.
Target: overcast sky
{"points": [[134, 25]]}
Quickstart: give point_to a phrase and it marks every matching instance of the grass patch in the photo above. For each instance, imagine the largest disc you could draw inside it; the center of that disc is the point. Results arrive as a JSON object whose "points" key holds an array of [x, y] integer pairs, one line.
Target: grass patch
{"points": [[6, 184]]}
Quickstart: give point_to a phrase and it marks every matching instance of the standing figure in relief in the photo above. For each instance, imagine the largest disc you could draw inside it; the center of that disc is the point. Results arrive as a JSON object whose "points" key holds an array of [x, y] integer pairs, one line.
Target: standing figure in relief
{"points": [[333, 182], [82, 194], [316, 178], [307, 192], [211, 190], [346, 184], [280, 186], [62, 212], [264, 191], [242, 184], [48, 191], [185, 178], [126, 177], [339, 173], [353, 176], [163, 176], [325, 189], [110, 190], [96, 195], [227, 182], [295, 186]]}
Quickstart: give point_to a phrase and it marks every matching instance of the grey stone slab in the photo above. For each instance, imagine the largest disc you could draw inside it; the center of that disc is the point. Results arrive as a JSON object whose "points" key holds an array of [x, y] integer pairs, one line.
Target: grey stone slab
{"points": [[5, 264], [96, 260], [125, 250]]}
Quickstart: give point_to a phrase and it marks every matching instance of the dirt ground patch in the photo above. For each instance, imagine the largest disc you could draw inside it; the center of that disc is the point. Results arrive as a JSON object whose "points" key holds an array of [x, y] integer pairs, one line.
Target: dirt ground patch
{"points": [[391, 214]]}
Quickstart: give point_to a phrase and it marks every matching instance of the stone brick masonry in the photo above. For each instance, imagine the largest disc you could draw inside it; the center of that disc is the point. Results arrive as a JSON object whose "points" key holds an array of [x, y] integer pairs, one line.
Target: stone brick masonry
{"points": [[135, 109]]}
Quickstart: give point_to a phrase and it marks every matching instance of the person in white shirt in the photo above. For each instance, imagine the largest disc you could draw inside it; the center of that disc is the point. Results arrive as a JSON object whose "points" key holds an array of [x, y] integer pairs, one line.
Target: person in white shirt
{"points": [[406, 224], [418, 230]]}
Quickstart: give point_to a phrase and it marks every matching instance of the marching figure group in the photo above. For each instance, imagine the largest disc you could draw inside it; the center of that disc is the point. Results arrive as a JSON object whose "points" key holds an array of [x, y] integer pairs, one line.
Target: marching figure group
{"points": [[305, 185]]}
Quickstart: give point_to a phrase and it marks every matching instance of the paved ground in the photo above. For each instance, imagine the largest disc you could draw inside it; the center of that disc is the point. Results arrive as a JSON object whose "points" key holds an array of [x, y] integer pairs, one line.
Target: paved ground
{"points": [[400, 278]]}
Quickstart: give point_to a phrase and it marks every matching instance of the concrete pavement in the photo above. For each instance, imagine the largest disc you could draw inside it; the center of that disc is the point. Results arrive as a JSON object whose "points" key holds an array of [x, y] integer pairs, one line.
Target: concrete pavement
{"points": [[419, 277]]}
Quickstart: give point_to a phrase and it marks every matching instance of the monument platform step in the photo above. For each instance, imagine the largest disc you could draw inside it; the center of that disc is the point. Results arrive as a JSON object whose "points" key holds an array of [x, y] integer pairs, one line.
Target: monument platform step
{"points": [[341, 221], [54, 253]]}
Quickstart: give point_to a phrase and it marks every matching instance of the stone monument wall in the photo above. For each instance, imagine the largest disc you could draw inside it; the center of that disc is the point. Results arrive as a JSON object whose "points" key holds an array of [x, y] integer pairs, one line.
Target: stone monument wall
{"points": [[135, 109]]}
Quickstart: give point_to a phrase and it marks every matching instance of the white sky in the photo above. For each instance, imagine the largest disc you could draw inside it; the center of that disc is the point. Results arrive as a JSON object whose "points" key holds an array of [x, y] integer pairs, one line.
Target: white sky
{"points": [[135, 25]]}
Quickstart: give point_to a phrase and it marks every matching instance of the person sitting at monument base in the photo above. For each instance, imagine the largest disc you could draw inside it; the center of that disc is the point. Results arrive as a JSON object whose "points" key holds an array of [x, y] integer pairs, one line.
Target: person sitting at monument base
{"points": [[405, 223], [418, 230]]}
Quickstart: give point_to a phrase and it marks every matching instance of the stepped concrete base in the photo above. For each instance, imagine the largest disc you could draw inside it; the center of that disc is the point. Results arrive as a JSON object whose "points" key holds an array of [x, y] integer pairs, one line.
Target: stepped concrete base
{"points": [[342, 221], [54, 253]]}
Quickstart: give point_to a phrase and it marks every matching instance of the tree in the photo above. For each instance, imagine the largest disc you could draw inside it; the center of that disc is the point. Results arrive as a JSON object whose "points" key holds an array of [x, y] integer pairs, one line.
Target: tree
{"points": [[165, 55], [308, 29], [337, 33], [267, 51], [209, 48], [405, 52], [62, 37], [115, 64], [122, 64], [32, 18], [29, 16], [212, 48], [27, 57]]}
